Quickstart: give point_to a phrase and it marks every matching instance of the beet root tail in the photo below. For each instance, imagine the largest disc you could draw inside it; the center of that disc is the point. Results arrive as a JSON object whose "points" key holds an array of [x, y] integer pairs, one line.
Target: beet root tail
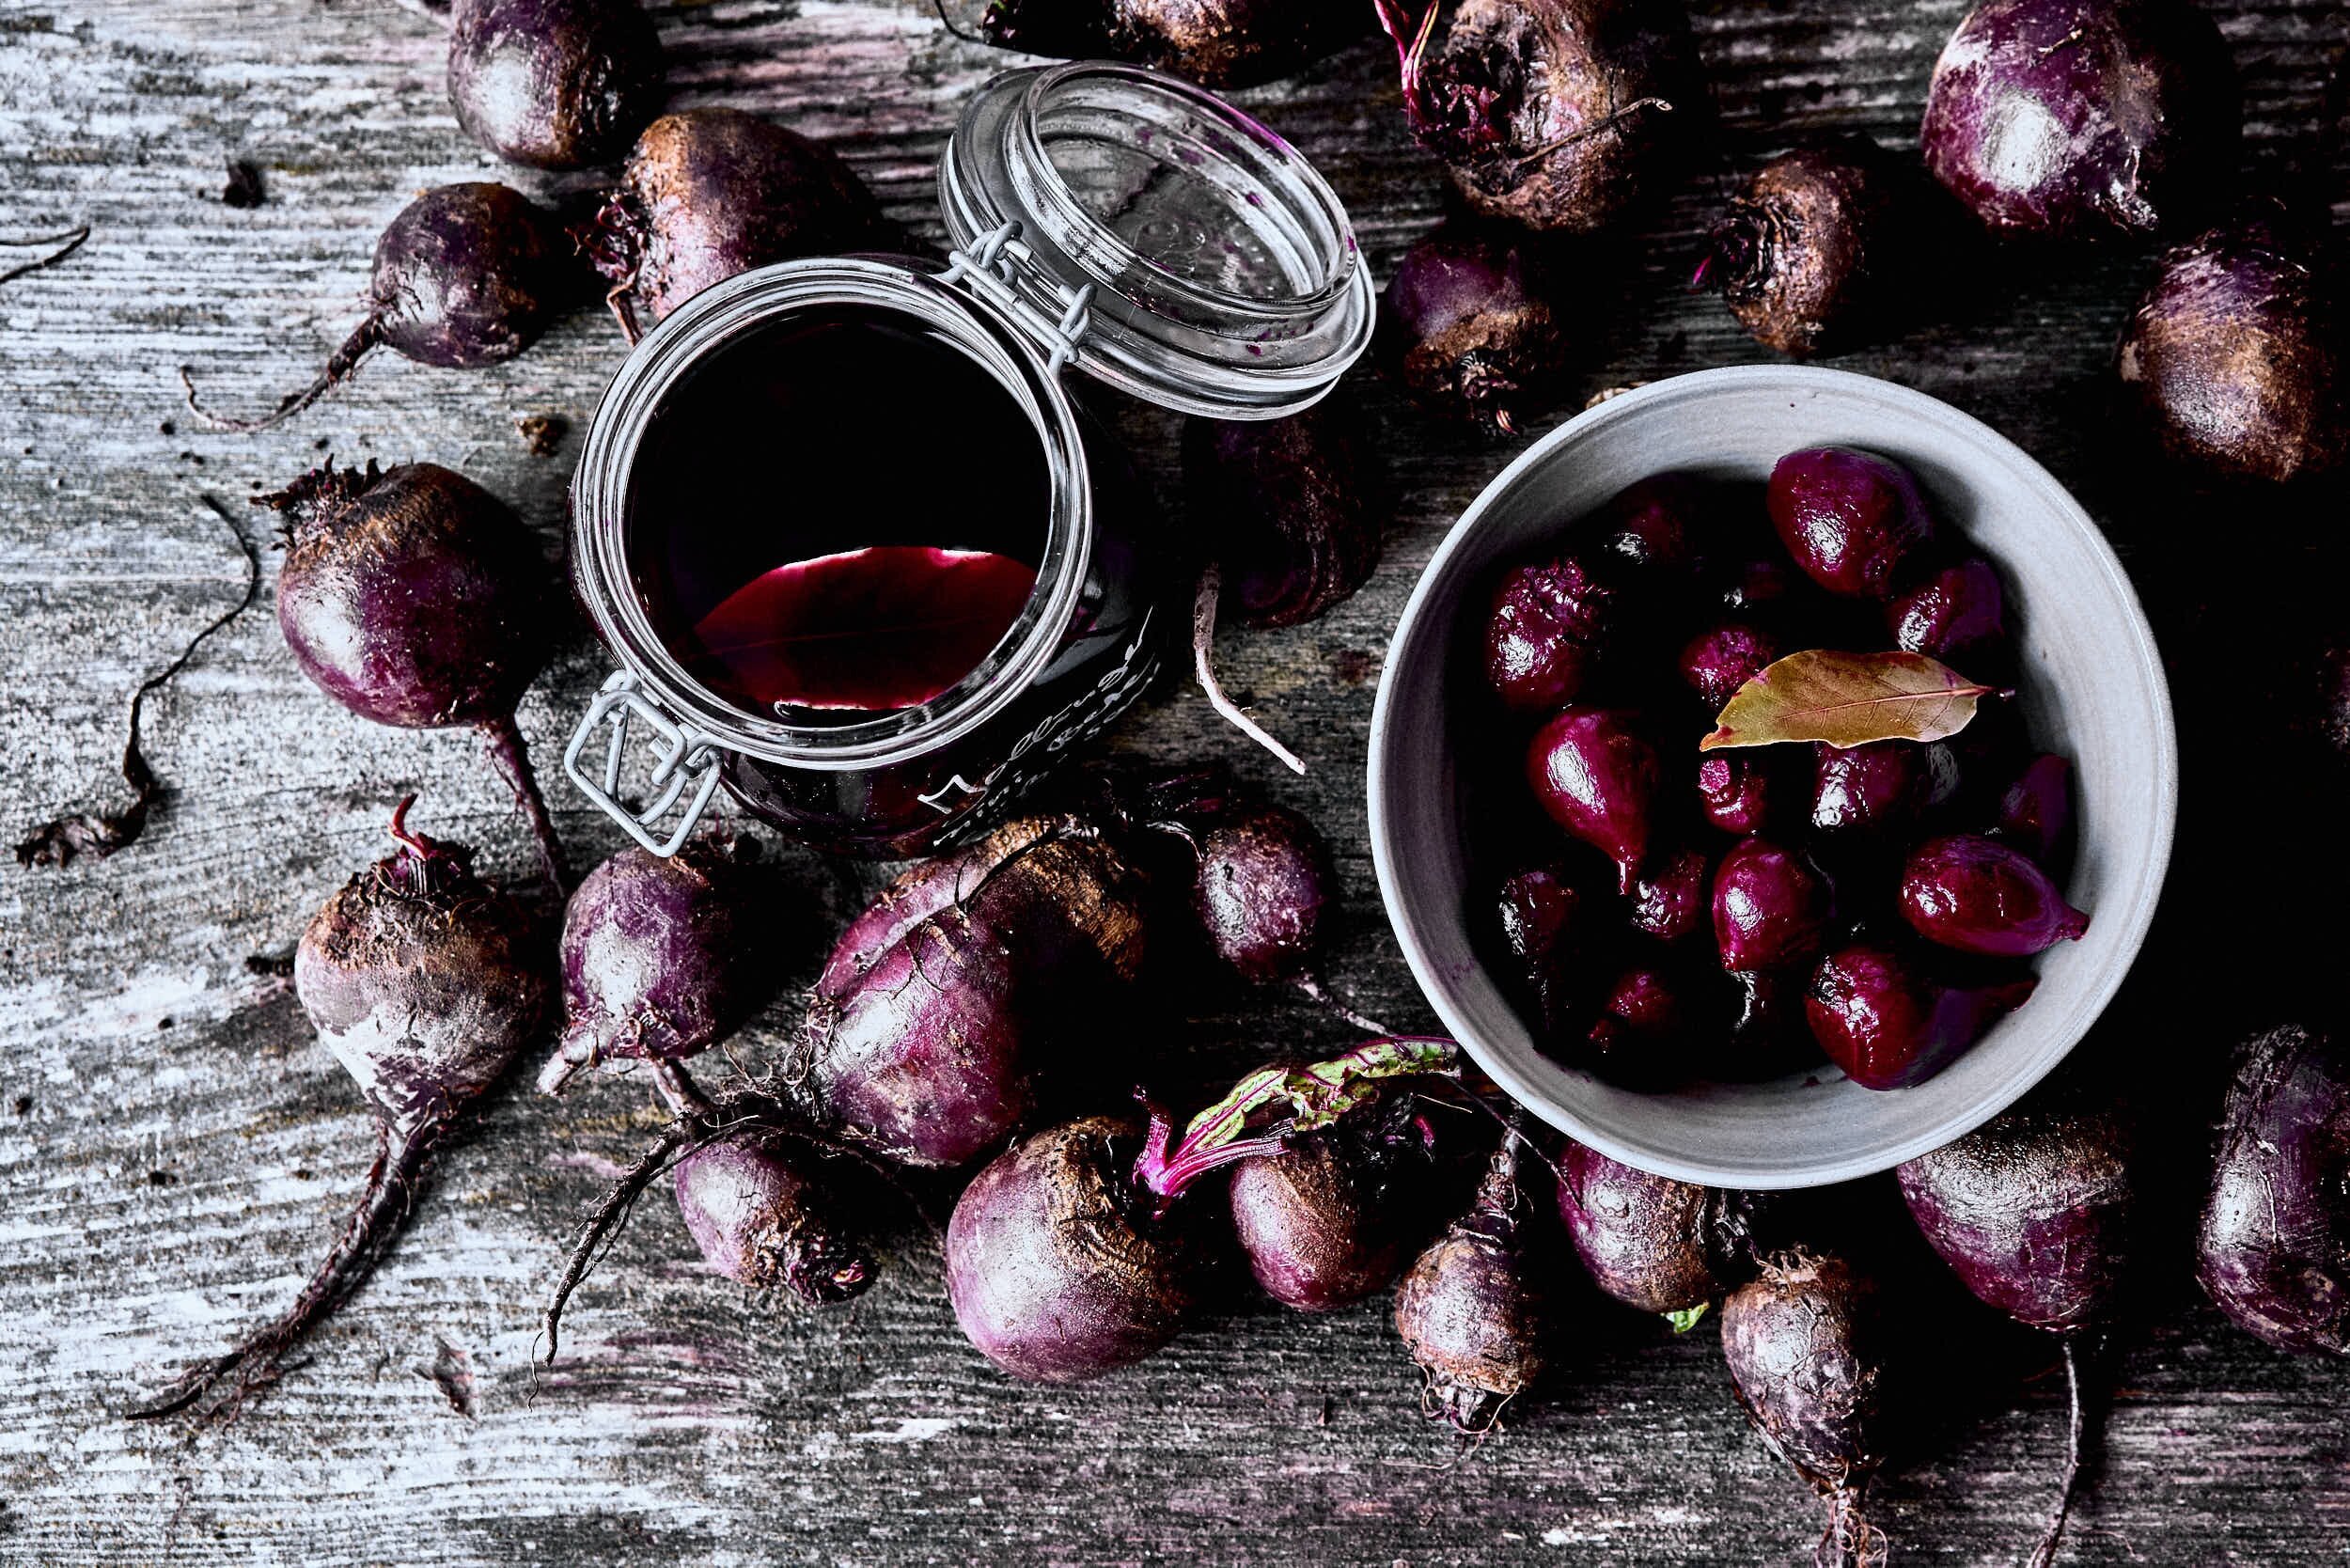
{"points": [[508, 753], [2044, 1554], [218, 1390], [610, 1213], [1204, 664], [1851, 1540], [340, 365]]}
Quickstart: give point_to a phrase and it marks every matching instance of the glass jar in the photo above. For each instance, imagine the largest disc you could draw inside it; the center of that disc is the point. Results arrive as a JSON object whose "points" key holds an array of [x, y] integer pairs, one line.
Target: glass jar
{"points": [[1104, 218]]}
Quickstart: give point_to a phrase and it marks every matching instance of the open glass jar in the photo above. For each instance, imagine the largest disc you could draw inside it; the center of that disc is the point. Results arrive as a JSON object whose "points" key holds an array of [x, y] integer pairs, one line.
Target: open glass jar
{"points": [[1104, 217]]}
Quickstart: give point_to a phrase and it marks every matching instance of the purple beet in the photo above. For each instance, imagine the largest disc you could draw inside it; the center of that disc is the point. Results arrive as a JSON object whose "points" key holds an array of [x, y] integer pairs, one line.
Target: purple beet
{"points": [[1644, 1023], [1668, 524], [1877, 792], [1556, 114], [427, 984], [1216, 43], [1981, 896], [2082, 118], [415, 598], [2036, 811], [1888, 1023], [1476, 1308], [1954, 615], [1290, 511], [1544, 632], [1543, 914], [927, 887], [1471, 324], [555, 84], [1855, 523], [1809, 1345], [2235, 357], [2274, 1249], [1771, 906], [759, 1207], [708, 194], [1264, 880], [465, 276], [1324, 1222], [1813, 251], [1670, 897], [2033, 1211], [1735, 792], [1650, 1242], [1724, 657], [661, 956], [1598, 779]]}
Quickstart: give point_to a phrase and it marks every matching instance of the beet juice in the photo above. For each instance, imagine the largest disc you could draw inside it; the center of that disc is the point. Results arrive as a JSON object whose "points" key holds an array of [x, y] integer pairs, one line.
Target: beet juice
{"points": [[800, 555]]}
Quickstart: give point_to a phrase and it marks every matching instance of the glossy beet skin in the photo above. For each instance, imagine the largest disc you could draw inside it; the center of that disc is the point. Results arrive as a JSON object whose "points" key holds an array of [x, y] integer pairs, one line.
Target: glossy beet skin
{"points": [[1812, 249], [2082, 118], [1470, 324], [661, 956], [1644, 1025], [1667, 525], [1722, 658], [2274, 1247], [1476, 1310], [1855, 523], [1291, 508], [2237, 358], [1556, 114], [759, 1207], [1956, 614], [1981, 896], [1543, 635], [1324, 1222], [1735, 792], [1809, 1343], [1542, 915], [1597, 778], [707, 193], [1771, 906], [1263, 884], [1056, 1271], [1670, 897], [1879, 792], [555, 84], [1888, 1023], [1650, 1242], [1216, 43], [2032, 1211], [2035, 813]]}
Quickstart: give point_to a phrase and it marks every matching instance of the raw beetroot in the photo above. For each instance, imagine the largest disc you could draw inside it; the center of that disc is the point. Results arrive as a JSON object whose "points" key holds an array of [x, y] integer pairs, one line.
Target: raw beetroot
{"points": [[1324, 1222], [1263, 881], [555, 84], [1476, 1311], [1216, 43], [1471, 324], [2274, 1249], [1661, 1246], [1810, 252], [757, 1204]]}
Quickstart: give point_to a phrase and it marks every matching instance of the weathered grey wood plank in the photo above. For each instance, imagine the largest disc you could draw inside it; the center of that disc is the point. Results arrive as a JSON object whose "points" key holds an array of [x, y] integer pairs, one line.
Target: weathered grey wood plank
{"points": [[174, 1148]]}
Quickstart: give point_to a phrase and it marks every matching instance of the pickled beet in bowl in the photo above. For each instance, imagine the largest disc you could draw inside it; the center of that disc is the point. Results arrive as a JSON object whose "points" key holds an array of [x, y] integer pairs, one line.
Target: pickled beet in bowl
{"points": [[2089, 687]]}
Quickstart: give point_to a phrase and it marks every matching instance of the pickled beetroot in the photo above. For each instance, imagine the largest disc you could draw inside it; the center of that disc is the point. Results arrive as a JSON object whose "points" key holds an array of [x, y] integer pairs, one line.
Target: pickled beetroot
{"points": [[1958, 611], [1719, 660], [1877, 789], [1735, 792], [1855, 523], [1540, 911], [1771, 906], [1544, 632], [1981, 896], [2036, 813], [1888, 1024], [1640, 1020], [1598, 779], [1669, 900], [886, 627], [1666, 522]]}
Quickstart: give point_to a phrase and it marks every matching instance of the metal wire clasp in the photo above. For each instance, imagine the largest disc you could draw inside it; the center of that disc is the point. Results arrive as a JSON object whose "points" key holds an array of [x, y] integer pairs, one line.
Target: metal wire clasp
{"points": [[686, 759], [988, 270]]}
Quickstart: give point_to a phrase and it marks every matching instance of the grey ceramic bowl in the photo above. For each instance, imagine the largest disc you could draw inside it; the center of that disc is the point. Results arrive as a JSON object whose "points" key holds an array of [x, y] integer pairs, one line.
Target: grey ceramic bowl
{"points": [[2092, 688]]}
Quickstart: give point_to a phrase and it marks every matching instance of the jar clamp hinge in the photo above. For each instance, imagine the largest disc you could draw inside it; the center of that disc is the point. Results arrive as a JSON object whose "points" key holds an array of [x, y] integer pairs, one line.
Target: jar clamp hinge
{"points": [[687, 759], [988, 267]]}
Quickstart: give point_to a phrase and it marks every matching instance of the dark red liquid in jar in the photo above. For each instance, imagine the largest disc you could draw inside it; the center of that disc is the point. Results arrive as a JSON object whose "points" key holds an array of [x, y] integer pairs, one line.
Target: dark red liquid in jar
{"points": [[837, 515]]}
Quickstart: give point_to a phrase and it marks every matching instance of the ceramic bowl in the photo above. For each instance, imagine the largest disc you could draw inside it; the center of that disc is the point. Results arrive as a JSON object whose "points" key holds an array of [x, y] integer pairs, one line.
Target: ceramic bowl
{"points": [[2092, 689]]}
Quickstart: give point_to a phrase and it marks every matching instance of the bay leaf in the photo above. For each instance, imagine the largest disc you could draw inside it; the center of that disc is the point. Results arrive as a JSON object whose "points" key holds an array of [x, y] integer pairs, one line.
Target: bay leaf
{"points": [[1848, 699]]}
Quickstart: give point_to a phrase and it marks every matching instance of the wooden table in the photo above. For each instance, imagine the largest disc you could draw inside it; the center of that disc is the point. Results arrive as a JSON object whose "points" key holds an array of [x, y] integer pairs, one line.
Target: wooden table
{"points": [[175, 1148]]}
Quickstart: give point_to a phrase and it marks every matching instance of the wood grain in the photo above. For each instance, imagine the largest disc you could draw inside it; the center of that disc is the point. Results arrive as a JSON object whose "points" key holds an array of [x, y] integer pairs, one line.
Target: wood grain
{"points": [[174, 1148]]}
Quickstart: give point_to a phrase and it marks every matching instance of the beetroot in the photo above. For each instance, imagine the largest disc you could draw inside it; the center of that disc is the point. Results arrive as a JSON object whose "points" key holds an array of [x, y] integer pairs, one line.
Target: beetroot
{"points": [[1598, 779], [1856, 523], [2032, 1211], [1544, 634], [1669, 897], [759, 1207], [1890, 1024], [1877, 792], [1665, 525], [1476, 1310], [710, 193], [1807, 1345], [465, 276], [1553, 113], [1291, 512], [2035, 813], [661, 957], [1264, 880], [1724, 657], [2274, 1250], [1652, 1243], [1810, 252], [2235, 358], [1645, 1020], [1771, 906], [1470, 324], [2081, 118], [1955, 615], [924, 1054], [1323, 1223], [1735, 792], [1981, 896], [426, 983], [555, 84], [415, 598], [1216, 43], [1063, 1260], [1541, 916]]}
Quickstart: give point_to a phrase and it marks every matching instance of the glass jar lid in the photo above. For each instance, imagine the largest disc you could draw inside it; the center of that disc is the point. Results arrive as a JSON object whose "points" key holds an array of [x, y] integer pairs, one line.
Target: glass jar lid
{"points": [[1195, 257]]}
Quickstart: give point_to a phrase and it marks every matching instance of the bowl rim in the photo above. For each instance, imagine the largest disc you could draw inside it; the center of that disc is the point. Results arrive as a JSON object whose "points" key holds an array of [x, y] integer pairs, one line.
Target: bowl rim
{"points": [[2141, 649]]}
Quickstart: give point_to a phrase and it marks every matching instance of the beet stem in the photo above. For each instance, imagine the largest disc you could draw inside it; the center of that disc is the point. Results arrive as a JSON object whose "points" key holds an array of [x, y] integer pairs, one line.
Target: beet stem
{"points": [[401, 1157], [340, 365], [676, 1089], [512, 758], [1313, 987], [2044, 1553], [609, 1214], [55, 843], [1202, 652], [68, 241]]}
